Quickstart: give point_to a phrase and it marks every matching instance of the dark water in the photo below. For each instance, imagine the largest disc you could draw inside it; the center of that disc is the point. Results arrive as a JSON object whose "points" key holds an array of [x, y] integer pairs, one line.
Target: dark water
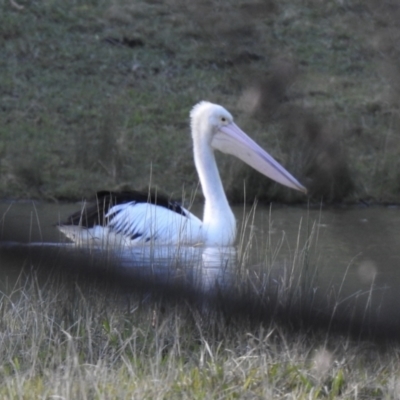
{"points": [[336, 266]]}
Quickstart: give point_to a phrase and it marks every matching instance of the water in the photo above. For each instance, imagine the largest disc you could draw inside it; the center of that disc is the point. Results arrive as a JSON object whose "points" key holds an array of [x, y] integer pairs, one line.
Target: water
{"points": [[342, 260]]}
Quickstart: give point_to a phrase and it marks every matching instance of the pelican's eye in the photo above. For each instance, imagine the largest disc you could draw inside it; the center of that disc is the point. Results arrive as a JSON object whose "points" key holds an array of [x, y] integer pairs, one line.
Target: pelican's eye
{"points": [[223, 119]]}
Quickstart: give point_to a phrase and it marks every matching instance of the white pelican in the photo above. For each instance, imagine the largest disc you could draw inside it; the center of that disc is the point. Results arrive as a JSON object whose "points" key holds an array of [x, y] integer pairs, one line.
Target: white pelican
{"points": [[127, 219]]}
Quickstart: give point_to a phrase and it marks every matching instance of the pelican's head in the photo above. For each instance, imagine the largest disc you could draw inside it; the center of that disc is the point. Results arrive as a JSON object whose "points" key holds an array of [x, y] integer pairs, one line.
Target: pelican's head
{"points": [[207, 118], [213, 124]]}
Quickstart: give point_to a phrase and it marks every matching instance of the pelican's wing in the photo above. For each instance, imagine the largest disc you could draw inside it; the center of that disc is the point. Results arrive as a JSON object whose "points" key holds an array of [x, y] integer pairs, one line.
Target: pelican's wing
{"points": [[127, 218], [144, 222]]}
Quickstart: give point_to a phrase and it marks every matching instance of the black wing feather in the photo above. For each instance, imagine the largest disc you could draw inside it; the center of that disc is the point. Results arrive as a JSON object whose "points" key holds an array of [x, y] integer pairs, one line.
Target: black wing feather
{"points": [[94, 214]]}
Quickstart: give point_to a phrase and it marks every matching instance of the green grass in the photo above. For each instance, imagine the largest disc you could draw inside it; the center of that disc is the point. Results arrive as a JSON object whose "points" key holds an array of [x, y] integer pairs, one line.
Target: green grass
{"points": [[97, 94]]}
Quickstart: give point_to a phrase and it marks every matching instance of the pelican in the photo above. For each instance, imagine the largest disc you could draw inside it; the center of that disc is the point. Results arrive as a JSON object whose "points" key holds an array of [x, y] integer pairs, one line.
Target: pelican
{"points": [[130, 218]]}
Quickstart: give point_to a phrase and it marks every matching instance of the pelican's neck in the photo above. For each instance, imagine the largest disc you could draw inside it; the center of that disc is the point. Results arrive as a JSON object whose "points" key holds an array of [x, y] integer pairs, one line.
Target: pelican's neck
{"points": [[218, 220]]}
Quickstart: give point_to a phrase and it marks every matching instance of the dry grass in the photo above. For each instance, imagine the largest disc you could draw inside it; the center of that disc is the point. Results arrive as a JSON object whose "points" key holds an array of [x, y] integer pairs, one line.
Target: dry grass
{"points": [[80, 339], [76, 325]]}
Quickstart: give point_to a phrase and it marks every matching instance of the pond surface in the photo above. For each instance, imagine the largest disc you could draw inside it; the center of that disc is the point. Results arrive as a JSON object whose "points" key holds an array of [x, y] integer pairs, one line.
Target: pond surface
{"points": [[344, 260]]}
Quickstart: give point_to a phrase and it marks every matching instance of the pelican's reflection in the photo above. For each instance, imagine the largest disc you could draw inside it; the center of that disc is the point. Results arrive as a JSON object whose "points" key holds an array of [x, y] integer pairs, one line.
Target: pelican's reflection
{"points": [[185, 269], [200, 268]]}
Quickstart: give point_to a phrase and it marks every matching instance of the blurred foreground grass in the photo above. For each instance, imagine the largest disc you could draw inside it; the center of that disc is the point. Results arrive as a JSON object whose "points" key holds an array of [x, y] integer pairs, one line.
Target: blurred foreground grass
{"points": [[96, 94], [93, 337]]}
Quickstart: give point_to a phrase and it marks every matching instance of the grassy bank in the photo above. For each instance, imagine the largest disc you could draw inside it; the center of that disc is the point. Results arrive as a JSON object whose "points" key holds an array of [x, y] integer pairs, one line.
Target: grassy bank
{"points": [[75, 325], [96, 94], [76, 339]]}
